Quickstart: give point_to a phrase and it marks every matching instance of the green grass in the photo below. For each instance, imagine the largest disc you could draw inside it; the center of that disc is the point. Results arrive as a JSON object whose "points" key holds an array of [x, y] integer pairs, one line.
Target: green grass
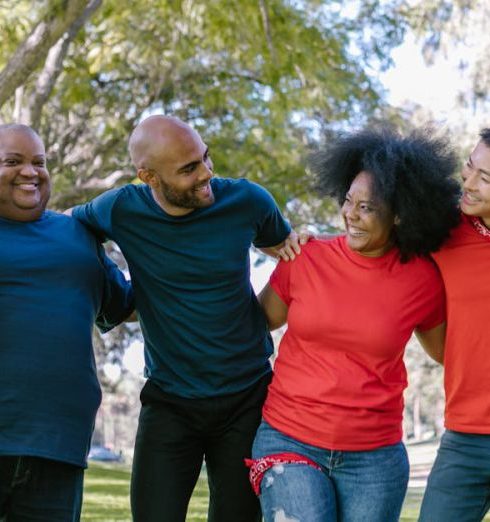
{"points": [[106, 497]]}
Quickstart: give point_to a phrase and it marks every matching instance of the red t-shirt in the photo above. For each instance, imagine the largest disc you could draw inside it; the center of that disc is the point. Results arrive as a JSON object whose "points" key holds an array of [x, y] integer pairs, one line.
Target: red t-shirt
{"points": [[464, 262], [339, 376]]}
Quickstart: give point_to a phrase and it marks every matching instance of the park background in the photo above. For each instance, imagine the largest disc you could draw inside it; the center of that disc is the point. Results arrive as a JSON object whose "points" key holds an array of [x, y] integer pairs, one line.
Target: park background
{"points": [[265, 82]]}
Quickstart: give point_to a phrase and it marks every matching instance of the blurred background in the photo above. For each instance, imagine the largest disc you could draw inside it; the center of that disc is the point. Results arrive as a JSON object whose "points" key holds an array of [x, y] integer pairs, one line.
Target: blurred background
{"points": [[264, 82]]}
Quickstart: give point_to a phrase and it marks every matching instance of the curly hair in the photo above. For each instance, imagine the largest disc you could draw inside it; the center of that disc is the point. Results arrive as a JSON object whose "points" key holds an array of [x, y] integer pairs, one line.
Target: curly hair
{"points": [[485, 136], [412, 175]]}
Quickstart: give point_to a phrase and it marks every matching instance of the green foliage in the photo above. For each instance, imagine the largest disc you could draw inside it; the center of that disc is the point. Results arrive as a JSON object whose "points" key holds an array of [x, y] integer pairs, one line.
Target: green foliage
{"points": [[261, 81]]}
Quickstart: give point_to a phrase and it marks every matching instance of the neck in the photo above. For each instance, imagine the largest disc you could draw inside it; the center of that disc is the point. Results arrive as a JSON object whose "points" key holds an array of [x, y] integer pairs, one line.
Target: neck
{"points": [[486, 222]]}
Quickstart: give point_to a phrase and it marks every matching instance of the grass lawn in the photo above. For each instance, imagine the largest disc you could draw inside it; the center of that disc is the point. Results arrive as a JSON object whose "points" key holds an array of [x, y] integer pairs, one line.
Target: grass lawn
{"points": [[106, 497]]}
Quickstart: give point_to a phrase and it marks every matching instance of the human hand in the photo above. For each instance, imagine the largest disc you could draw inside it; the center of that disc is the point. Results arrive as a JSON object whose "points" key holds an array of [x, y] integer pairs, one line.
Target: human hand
{"points": [[292, 245]]}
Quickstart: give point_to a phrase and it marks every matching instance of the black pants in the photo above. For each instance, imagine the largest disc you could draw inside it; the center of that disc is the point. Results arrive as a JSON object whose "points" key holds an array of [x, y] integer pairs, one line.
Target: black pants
{"points": [[33, 489], [175, 434]]}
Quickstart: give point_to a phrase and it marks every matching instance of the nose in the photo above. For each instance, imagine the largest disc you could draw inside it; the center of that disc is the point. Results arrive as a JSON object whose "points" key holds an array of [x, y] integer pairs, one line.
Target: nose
{"points": [[28, 170], [349, 211], [206, 170], [469, 180]]}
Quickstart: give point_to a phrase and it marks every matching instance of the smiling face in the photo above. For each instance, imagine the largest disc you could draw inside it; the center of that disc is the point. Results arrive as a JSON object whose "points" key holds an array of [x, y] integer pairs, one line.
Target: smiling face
{"points": [[368, 221], [476, 184], [174, 161], [24, 180]]}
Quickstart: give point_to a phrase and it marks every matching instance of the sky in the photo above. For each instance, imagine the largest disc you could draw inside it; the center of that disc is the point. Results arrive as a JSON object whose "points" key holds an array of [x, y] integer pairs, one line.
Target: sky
{"points": [[435, 86]]}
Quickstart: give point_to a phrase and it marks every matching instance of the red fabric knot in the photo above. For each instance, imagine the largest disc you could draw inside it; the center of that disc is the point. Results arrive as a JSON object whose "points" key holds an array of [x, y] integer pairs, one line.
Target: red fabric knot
{"points": [[259, 466]]}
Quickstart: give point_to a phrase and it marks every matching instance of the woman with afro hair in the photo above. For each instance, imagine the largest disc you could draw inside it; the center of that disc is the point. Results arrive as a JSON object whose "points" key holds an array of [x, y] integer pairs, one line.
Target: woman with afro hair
{"points": [[329, 448]]}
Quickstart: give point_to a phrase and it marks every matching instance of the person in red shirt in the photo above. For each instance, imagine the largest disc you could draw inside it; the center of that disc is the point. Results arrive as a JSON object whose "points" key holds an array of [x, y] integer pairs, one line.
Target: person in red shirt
{"points": [[329, 447], [458, 488]]}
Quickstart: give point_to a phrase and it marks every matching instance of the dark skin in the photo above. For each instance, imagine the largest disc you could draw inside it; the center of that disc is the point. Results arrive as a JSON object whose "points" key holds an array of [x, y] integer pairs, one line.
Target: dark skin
{"points": [[25, 185], [371, 231]]}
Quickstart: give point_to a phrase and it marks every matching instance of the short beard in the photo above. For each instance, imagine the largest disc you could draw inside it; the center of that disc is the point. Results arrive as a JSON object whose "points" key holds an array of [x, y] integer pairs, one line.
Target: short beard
{"points": [[184, 199]]}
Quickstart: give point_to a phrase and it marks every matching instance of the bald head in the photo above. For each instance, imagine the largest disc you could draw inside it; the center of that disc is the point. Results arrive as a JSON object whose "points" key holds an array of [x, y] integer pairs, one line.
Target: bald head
{"points": [[18, 127], [154, 136]]}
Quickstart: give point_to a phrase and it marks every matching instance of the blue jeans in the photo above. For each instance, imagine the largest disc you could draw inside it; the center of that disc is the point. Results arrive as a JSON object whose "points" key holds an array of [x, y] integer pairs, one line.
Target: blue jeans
{"points": [[33, 489], [352, 486], [458, 489]]}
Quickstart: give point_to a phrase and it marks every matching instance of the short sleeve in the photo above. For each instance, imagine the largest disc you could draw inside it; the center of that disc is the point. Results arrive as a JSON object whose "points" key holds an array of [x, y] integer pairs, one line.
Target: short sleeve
{"points": [[280, 281], [272, 227], [97, 214], [435, 303]]}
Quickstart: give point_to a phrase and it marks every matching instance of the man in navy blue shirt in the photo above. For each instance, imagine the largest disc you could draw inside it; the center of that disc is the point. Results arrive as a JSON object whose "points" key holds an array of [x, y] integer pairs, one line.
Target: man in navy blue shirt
{"points": [[186, 236], [55, 282]]}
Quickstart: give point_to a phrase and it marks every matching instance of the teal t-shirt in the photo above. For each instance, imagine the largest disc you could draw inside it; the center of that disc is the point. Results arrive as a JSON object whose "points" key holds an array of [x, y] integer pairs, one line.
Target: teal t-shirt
{"points": [[55, 282], [205, 334]]}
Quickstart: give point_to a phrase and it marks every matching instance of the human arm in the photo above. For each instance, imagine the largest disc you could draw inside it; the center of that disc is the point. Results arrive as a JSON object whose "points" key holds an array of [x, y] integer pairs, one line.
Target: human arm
{"points": [[118, 299], [97, 215], [432, 341], [275, 309]]}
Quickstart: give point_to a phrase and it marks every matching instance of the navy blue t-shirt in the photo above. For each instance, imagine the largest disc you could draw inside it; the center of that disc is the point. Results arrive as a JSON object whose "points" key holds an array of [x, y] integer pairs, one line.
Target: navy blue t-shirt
{"points": [[54, 282], [205, 334]]}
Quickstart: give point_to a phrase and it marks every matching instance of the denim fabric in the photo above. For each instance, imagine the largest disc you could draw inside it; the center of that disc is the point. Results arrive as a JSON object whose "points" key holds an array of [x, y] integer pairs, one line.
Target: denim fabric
{"points": [[175, 434], [39, 490], [458, 489], [352, 486]]}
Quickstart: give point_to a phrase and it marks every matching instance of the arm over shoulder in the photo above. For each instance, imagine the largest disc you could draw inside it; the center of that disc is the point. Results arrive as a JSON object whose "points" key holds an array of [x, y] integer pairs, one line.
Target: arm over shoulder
{"points": [[118, 299], [97, 214]]}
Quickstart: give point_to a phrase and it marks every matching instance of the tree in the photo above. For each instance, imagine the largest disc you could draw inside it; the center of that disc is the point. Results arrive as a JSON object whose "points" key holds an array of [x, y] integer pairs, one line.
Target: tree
{"points": [[59, 22], [260, 80]]}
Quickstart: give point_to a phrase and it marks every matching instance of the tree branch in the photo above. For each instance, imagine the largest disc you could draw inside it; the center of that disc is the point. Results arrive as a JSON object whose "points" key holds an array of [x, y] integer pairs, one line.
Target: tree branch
{"points": [[61, 14], [54, 64]]}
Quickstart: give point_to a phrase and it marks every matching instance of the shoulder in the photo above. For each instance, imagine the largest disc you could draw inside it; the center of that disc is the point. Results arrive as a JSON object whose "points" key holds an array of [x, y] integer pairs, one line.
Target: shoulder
{"points": [[122, 194], [422, 269], [239, 187], [318, 251]]}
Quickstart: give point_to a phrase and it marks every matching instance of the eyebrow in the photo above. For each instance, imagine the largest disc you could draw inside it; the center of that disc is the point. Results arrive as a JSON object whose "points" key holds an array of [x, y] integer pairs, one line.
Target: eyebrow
{"points": [[192, 163], [486, 172], [18, 155], [370, 201]]}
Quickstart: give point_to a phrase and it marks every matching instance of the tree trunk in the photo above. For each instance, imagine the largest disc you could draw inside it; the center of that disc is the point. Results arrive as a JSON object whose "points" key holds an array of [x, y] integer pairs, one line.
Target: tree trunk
{"points": [[61, 15]]}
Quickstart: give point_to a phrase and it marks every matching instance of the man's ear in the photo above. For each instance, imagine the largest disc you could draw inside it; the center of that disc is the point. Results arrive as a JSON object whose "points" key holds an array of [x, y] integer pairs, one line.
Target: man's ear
{"points": [[397, 221], [146, 176]]}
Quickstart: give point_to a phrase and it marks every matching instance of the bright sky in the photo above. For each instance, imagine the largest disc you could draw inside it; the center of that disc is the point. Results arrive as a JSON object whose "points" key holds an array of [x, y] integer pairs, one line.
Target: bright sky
{"points": [[435, 87]]}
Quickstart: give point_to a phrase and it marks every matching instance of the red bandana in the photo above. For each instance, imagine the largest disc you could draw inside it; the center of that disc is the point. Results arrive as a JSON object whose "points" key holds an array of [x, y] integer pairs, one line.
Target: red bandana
{"points": [[259, 466]]}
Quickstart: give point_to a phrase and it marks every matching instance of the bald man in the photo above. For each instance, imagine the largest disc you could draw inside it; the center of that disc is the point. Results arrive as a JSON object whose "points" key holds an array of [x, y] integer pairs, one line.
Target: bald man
{"points": [[186, 237], [55, 282]]}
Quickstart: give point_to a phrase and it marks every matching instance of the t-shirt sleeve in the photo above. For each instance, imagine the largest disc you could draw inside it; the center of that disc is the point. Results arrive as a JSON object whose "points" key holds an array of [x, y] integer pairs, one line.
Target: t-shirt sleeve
{"points": [[435, 308], [117, 299], [272, 228], [280, 279], [97, 214]]}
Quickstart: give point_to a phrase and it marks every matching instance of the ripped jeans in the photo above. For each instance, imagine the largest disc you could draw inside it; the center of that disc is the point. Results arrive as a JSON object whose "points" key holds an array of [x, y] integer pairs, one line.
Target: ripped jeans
{"points": [[350, 486]]}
